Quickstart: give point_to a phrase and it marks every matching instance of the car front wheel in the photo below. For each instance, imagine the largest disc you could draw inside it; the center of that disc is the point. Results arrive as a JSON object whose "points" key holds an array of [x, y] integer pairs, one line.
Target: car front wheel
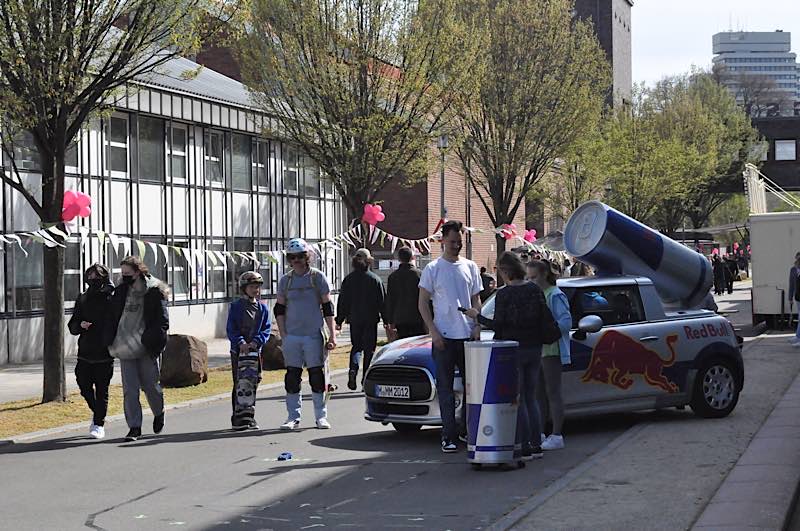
{"points": [[404, 428], [716, 390]]}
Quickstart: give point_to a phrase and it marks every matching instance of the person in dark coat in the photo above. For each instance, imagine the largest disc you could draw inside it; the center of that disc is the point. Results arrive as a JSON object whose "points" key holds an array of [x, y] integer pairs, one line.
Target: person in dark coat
{"points": [[721, 274], [361, 304], [136, 334], [95, 366], [402, 294], [733, 272]]}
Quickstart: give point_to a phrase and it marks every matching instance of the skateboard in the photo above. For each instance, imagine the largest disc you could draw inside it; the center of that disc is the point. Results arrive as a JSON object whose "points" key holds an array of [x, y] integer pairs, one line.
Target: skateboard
{"points": [[246, 385]]}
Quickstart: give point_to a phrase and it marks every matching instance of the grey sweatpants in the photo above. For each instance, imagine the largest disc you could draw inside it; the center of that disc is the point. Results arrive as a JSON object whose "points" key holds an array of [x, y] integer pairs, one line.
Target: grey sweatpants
{"points": [[141, 374], [549, 391]]}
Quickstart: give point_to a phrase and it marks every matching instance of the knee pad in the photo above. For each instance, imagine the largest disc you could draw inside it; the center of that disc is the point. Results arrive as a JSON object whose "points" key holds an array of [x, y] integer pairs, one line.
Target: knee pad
{"points": [[316, 377], [291, 381]]}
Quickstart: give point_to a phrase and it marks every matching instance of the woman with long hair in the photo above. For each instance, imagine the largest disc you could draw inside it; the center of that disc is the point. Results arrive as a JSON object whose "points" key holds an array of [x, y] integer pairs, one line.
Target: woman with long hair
{"points": [[554, 355], [519, 307]]}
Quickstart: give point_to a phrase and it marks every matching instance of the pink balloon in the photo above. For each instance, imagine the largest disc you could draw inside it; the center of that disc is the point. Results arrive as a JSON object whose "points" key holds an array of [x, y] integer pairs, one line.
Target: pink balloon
{"points": [[70, 197], [69, 213], [373, 214], [85, 211], [530, 236], [83, 200]]}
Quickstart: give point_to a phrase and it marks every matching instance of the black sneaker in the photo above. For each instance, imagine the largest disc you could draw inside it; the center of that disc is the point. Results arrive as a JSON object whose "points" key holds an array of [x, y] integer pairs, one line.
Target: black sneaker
{"points": [[463, 438], [253, 425], [448, 446], [133, 434], [351, 380], [158, 423]]}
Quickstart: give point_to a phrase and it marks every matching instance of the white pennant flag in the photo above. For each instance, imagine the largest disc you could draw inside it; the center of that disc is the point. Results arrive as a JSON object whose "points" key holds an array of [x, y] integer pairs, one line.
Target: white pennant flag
{"points": [[221, 258], [142, 249], [155, 252], [212, 257], [165, 250], [375, 234], [394, 243], [84, 232], [18, 241], [114, 242]]}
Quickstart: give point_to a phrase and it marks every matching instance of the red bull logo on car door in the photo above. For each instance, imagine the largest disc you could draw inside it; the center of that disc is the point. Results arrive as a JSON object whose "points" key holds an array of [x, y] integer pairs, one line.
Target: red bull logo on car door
{"points": [[617, 359]]}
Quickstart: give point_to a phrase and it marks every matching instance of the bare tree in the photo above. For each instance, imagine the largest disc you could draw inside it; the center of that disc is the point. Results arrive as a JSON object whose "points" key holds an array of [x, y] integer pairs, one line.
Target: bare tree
{"points": [[759, 95], [60, 61]]}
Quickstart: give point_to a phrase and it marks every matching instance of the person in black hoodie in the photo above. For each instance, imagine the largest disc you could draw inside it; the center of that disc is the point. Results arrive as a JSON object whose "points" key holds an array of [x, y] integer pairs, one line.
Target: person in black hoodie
{"points": [[95, 366], [402, 295], [136, 333], [361, 303], [519, 308]]}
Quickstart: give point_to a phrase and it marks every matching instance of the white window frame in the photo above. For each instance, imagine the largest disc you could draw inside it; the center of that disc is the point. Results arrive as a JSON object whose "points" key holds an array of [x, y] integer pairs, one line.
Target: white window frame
{"points": [[286, 168], [258, 164], [172, 152], [781, 147], [208, 159], [175, 267], [107, 143], [216, 245]]}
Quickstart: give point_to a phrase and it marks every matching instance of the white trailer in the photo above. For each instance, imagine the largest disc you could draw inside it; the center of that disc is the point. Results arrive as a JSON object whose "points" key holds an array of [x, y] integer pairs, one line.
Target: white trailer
{"points": [[774, 241]]}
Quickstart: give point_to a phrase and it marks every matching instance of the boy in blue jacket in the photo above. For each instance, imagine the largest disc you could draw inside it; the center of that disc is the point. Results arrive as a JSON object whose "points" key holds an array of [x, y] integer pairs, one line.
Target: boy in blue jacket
{"points": [[248, 330]]}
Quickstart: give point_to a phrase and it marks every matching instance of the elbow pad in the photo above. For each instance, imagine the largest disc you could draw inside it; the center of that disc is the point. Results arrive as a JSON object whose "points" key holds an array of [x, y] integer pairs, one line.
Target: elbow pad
{"points": [[280, 309], [327, 309]]}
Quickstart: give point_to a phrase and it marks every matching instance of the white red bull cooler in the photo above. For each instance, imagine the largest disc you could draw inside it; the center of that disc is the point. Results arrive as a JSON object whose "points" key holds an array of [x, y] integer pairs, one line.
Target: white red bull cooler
{"points": [[616, 244], [492, 399]]}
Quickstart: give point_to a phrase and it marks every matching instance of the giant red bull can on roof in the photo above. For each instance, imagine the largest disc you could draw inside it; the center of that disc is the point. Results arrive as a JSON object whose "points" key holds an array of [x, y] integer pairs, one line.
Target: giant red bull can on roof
{"points": [[615, 244]]}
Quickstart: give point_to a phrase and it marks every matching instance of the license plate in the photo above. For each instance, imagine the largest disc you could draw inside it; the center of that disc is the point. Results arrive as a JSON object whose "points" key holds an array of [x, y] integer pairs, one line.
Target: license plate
{"points": [[393, 391]]}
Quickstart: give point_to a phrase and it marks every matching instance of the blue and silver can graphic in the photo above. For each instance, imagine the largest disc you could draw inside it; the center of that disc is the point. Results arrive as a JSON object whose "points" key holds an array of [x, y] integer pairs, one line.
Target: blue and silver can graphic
{"points": [[615, 244], [492, 399]]}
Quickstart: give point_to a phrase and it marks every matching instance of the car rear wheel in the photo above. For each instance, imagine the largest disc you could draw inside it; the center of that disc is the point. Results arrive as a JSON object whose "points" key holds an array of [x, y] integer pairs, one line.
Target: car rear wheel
{"points": [[716, 390], [402, 427]]}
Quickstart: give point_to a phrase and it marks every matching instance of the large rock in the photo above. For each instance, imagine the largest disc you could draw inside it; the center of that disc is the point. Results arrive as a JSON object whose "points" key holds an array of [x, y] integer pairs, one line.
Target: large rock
{"points": [[184, 362], [272, 354]]}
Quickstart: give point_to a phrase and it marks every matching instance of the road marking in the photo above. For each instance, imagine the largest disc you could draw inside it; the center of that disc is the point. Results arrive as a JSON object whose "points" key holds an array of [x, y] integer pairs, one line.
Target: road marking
{"points": [[343, 502]]}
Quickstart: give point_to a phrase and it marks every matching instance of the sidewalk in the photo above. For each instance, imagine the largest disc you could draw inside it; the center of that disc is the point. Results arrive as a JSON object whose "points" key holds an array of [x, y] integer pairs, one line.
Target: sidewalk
{"points": [[24, 381]]}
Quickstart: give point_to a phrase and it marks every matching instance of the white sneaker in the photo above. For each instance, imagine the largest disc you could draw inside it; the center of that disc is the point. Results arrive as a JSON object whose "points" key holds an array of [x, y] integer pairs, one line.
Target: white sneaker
{"points": [[290, 424], [323, 424], [98, 432], [542, 438], [794, 340], [553, 442]]}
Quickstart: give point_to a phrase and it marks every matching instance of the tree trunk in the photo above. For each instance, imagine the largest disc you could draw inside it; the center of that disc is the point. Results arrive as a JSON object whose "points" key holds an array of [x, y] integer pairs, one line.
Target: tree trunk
{"points": [[54, 387], [501, 247]]}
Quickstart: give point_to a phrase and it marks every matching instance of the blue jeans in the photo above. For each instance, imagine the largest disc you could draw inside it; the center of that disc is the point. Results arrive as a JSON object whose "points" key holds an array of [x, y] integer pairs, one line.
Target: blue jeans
{"points": [[446, 362], [529, 423]]}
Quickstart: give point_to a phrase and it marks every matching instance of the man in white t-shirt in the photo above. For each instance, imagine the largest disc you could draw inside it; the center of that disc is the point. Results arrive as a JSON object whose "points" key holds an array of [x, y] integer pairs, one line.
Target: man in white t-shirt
{"points": [[451, 282]]}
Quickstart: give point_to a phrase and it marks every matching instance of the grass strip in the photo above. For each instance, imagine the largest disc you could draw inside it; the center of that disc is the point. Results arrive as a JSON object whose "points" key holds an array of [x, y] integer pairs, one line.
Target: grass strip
{"points": [[25, 416]]}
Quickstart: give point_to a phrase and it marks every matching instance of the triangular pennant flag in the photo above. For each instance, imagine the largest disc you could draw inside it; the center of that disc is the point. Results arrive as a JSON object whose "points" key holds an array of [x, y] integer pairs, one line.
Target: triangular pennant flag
{"points": [[212, 257], [383, 238], [126, 245], [164, 249], [142, 249], [114, 239], [48, 239], [394, 244], [18, 241], [221, 257], [187, 253], [101, 238], [371, 231], [58, 232], [84, 232], [154, 248], [373, 237]]}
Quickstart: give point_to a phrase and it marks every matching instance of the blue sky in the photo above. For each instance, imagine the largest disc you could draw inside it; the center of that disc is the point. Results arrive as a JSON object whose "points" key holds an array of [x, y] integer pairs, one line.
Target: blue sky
{"points": [[669, 36]]}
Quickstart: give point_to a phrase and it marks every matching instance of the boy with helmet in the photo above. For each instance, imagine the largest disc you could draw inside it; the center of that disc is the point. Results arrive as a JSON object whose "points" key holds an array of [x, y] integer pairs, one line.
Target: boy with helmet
{"points": [[303, 305], [248, 330]]}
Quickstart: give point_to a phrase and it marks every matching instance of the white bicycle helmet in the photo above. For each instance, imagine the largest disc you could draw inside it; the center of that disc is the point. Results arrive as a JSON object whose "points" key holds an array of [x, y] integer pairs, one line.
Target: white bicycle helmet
{"points": [[250, 277], [296, 246]]}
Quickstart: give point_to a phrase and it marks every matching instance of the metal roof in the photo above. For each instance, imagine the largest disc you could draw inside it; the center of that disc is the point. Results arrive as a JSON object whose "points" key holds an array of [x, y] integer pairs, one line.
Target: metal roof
{"points": [[207, 84]]}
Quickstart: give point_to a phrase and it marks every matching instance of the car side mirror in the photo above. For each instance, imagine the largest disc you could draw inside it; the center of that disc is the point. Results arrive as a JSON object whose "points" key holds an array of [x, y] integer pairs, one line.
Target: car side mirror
{"points": [[588, 325]]}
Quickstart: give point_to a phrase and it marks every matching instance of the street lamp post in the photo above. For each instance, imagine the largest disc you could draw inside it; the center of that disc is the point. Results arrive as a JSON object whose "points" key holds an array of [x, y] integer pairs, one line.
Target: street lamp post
{"points": [[443, 144]]}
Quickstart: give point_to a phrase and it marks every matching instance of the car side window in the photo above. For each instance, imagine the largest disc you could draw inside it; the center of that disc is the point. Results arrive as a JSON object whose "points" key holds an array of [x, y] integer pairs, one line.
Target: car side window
{"points": [[613, 304]]}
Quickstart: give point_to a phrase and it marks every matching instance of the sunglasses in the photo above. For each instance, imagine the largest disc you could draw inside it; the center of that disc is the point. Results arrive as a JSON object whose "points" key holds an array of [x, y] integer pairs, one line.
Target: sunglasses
{"points": [[295, 256]]}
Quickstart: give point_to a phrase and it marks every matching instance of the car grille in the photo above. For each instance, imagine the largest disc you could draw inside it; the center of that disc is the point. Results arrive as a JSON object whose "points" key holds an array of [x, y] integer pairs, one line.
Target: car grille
{"points": [[416, 379], [380, 408]]}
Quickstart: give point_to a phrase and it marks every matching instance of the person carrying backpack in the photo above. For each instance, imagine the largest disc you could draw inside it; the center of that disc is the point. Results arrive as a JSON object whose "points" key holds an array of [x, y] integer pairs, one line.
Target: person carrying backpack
{"points": [[519, 307], [95, 366], [248, 330], [554, 355], [303, 305]]}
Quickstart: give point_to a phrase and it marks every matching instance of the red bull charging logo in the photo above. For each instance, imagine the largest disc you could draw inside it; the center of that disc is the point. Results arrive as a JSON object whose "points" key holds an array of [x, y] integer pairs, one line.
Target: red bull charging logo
{"points": [[617, 358]]}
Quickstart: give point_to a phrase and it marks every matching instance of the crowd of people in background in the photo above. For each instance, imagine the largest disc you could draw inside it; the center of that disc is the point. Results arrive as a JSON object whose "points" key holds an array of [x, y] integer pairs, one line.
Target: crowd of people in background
{"points": [[129, 321]]}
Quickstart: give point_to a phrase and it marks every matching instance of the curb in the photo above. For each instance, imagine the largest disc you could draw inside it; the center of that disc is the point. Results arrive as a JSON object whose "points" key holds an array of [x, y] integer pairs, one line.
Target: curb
{"points": [[762, 488], [25, 437]]}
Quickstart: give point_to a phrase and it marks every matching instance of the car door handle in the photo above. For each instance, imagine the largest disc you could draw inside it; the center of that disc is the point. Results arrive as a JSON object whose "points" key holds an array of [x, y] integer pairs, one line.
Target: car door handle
{"points": [[648, 338]]}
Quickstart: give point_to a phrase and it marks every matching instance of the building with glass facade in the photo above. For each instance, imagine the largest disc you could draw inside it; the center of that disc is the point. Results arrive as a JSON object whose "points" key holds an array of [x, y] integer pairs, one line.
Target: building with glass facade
{"points": [[178, 162]]}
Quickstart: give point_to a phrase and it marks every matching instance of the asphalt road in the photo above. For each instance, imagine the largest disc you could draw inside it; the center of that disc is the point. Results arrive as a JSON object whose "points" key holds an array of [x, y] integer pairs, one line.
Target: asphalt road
{"points": [[200, 475]]}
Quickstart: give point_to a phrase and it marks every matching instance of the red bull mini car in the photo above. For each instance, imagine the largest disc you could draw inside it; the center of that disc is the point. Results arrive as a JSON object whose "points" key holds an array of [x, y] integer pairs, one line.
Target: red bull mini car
{"points": [[628, 353]]}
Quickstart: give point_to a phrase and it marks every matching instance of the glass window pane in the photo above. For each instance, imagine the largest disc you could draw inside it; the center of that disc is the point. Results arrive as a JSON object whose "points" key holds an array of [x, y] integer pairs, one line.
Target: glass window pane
{"points": [[26, 156], [151, 149], [28, 278], [785, 150], [240, 162], [213, 157], [117, 159], [118, 130], [311, 172], [178, 168], [71, 158], [179, 272], [72, 286], [290, 169], [179, 139], [72, 256]]}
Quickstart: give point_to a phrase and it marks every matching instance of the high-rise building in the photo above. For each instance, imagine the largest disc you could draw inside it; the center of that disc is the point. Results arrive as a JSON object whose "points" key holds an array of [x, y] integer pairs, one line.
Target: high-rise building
{"points": [[759, 69]]}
